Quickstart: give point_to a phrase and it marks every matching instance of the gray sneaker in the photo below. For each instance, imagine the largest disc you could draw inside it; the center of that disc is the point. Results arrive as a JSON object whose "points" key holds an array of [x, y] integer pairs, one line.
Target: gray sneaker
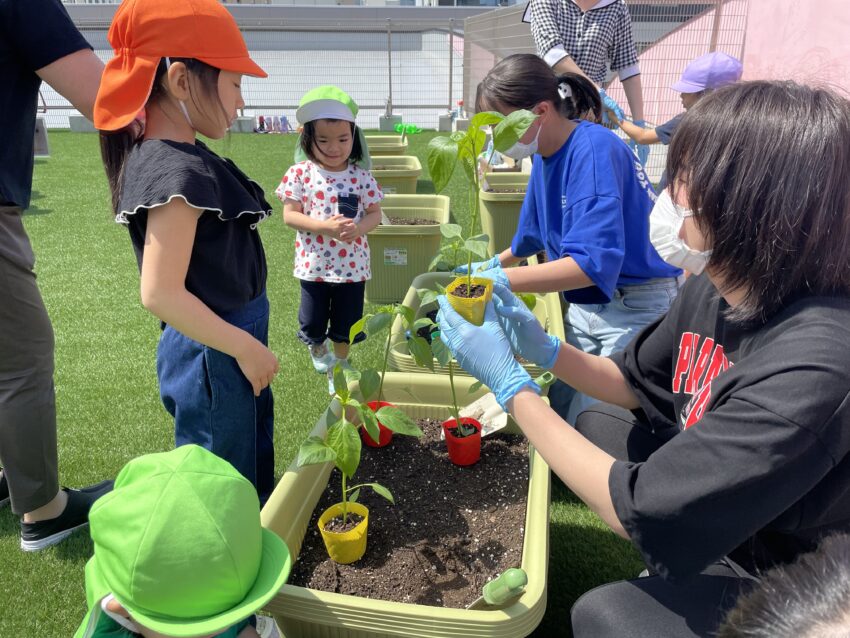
{"points": [[322, 357]]}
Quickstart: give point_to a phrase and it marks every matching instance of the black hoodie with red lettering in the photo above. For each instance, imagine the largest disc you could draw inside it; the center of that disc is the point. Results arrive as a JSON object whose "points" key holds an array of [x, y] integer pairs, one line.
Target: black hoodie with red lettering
{"points": [[759, 468]]}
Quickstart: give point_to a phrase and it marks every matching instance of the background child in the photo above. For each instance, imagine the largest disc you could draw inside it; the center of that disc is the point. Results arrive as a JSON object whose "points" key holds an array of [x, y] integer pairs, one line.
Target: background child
{"points": [[192, 217], [331, 199], [700, 77], [179, 551]]}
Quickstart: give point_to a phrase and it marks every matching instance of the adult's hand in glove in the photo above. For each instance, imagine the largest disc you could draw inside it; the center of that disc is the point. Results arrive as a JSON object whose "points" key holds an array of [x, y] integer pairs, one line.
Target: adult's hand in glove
{"points": [[479, 266], [484, 351], [527, 337]]}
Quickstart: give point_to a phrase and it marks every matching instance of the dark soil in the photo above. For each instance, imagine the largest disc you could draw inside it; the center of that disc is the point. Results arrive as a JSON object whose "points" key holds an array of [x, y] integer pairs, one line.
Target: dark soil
{"points": [[506, 190], [412, 221], [337, 526], [452, 528], [426, 331], [458, 434], [477, 290]]}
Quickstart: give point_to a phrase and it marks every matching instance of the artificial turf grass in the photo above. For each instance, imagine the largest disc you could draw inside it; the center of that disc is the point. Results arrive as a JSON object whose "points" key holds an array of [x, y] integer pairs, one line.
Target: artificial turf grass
{"points": [[107, 398]]}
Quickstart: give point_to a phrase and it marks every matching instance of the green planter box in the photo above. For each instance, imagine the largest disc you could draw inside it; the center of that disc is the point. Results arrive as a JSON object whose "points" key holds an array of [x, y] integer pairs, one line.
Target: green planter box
{"points": [[386, 144], [396, 174], [500, 210], [547, 310], [399, 253], [307, 613]]}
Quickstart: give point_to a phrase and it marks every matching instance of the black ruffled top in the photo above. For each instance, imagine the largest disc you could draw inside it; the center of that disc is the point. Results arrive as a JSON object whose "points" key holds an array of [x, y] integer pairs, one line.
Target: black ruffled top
{"points": [[227, 268]]}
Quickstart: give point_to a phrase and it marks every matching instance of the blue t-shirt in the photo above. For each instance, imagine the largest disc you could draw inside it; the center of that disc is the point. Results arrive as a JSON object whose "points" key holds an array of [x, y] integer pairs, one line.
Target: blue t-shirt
{"points": [[591, 201]]}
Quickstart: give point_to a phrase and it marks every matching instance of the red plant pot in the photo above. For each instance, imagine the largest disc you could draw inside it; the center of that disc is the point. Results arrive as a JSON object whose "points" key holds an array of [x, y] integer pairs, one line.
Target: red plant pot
{"points": [[465, 450], [386, 434]]}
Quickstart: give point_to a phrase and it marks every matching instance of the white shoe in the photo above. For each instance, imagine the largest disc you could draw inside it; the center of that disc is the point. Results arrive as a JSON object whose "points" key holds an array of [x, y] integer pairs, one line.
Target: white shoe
{"points": [[267, 627], [322, 357]]}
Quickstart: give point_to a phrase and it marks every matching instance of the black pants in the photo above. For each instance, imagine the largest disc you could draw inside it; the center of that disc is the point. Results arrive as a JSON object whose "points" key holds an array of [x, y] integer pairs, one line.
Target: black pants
{"points": [[649, 607], [329, 310]]}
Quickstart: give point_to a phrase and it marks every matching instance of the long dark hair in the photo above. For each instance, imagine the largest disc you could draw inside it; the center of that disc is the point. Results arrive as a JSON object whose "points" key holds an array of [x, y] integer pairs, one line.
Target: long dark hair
{"points": [[308, 138], [523, 80], [115, 146], [766, 167]]}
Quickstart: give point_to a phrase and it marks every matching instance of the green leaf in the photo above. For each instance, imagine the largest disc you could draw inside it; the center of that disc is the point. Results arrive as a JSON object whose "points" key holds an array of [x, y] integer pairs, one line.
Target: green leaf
{"points": [[370, 422], [380, 490], [369, 382], [378, 322], [451, 230], [396, 420], [351, 375], [426, 297], [477, 247], [315, 450], [340, 384], [423, 322], [357, 328], [477, 139], [485, 118], [439, 263], [513, 127], [441, 351], [528, 298], [440, 288], [345, 441], [407, 315], [354, 496], [475, 387], [442, 157], [421, 352]]}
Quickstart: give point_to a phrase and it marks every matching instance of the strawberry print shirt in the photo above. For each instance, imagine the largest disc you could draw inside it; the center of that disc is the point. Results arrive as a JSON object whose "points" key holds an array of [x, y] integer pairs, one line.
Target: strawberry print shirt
{"points": [[323, 194]]}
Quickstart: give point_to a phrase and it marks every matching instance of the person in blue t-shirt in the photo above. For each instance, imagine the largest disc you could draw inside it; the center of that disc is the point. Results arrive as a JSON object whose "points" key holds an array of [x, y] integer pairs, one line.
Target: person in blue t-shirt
{"points": [[587, 206]]}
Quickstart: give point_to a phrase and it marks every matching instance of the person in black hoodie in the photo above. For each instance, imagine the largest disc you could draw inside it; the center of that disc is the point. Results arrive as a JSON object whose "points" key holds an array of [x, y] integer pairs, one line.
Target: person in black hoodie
{"points": [[722, 447]]}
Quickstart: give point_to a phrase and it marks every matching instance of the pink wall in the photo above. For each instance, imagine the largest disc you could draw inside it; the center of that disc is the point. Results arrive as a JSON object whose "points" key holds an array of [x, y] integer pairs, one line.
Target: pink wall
{"points": [[803, 40]]}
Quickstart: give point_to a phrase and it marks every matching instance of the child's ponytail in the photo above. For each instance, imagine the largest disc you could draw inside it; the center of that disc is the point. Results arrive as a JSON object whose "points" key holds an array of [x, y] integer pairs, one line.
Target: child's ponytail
{"points": [[523, 80], [115, 146], [579, 98]]}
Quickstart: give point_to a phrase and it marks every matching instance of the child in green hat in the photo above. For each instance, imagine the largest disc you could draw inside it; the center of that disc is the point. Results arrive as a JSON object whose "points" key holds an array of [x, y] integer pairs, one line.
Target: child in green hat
{"points": [[331, 199], [179, 551]]}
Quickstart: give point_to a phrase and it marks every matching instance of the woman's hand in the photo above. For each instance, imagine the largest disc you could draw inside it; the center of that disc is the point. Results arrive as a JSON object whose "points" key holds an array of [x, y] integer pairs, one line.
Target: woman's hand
{"points": [[258, 364], [527, 337], [483, 351], [338, 225]]}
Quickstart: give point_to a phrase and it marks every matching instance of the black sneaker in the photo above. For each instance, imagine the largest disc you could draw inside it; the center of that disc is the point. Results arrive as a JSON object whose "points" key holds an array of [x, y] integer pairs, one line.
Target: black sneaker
{"points": [[36, 536], [4, 490]]}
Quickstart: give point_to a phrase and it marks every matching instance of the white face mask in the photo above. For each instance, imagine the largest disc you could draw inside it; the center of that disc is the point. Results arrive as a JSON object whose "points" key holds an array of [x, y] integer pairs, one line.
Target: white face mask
{"points": [[665, 222], [520, 151]]}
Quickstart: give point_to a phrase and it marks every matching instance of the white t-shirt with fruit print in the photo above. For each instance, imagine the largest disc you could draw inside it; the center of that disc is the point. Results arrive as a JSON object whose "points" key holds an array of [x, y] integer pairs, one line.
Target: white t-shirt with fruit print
{"points": [[322, 194]]}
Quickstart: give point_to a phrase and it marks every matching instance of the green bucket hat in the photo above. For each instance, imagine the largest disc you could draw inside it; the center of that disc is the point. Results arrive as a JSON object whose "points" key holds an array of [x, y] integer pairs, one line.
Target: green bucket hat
{"points": [[330, 103], [179, 544]]}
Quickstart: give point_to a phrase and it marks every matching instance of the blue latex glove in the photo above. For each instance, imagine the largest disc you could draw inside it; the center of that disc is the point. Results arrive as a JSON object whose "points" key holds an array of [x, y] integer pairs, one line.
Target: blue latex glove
{"points": [[527, 337], [609, 103], [477, 266], [484, 351], [641, 150]]}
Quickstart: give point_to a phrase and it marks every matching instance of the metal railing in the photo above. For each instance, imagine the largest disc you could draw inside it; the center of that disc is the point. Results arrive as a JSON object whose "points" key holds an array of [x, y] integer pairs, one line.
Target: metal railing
{"points": [[411, 58]]}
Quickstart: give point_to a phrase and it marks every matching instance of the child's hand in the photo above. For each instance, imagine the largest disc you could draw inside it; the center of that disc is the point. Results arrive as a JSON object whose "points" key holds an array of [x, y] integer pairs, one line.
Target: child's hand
{"points": [[350, 234], [337, 225], [259, 365]]}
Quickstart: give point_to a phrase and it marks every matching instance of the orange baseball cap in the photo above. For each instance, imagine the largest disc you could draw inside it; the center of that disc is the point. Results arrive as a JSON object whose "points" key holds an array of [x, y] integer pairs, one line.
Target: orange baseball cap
{"points": [[145, 31]]}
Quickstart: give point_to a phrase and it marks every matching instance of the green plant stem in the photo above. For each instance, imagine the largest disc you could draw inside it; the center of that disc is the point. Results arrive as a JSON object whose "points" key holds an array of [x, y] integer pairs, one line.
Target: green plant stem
{"points": [[386, 360], [455, 412], [344, 500]]}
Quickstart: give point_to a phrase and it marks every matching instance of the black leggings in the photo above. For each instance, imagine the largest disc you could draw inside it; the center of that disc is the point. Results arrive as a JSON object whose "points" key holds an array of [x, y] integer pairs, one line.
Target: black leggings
{"points": [[649, 607]]}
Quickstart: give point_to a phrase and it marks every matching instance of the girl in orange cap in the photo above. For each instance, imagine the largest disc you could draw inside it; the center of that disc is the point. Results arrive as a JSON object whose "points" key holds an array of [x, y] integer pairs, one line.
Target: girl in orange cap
{"points": [[193, 217]]}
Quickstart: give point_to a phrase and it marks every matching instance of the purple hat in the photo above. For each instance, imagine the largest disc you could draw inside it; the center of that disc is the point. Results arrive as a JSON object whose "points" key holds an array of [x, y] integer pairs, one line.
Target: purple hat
{"points": [[709, 71]]}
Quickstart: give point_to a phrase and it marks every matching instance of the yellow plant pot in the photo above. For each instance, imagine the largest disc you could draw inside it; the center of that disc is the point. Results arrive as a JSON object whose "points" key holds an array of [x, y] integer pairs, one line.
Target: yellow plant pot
{"points": [[345, 547], [471, 309]]}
